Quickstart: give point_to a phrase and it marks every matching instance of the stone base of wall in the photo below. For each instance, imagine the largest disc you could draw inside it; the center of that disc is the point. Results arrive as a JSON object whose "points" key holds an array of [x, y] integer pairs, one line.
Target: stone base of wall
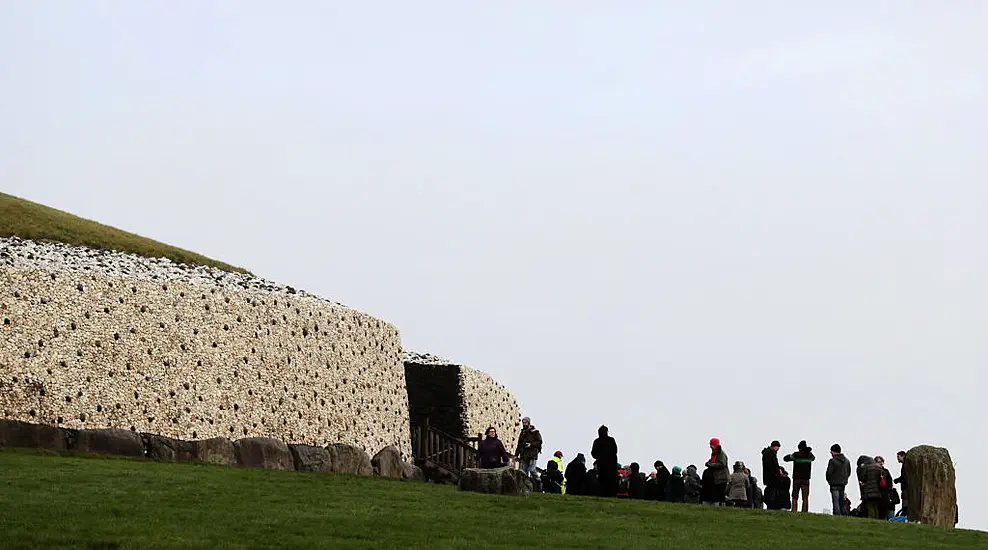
{"points": [[248, 452]]}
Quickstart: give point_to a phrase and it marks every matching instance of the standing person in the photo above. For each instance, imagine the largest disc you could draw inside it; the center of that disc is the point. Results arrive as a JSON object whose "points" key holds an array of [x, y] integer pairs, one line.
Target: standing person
{"points": [[662, 476], [719, 471], [605, 451], [693, 485], [771, 475], [576, 476], [491, 452], [887, 490], [676, 486], [529, 446], [869, 479], [838, 472], [738, 484], [757, 498], [558, 458], [783, 502], [802, 469], [903, 482], [636, 482], [593, 487]]}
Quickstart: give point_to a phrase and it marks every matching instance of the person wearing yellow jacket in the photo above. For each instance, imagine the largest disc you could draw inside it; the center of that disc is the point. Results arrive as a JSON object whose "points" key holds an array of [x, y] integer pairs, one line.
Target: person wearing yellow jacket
{"points": [[557, 457]]}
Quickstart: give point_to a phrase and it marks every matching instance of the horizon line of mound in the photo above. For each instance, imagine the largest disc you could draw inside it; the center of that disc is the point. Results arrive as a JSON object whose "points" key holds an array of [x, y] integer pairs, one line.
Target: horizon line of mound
{"points": [[34, 221], [99, 339]]}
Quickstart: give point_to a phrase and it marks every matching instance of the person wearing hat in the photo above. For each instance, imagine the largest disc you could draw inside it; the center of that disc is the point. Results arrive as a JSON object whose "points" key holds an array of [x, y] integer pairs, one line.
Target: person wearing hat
{"points": [[557, 457], [802, 469], [838, 473], [529, 446], [720, 472], [676, 486]]}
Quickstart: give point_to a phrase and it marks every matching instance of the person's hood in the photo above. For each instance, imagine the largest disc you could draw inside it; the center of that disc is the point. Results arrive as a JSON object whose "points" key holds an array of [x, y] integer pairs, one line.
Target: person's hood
{"points": [[581, 458], [839, 457], [865, 460], [768, 451]]}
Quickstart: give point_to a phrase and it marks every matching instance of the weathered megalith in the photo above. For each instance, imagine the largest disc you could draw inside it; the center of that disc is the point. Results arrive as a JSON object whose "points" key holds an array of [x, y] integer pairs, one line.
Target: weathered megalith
{"points": [[387, 463], [111, 441], [215, 450], [14, 433], [263, 452], [932, 490], [309, 458], [497, 481], [159, 447], [411, 472], [347, 459]]}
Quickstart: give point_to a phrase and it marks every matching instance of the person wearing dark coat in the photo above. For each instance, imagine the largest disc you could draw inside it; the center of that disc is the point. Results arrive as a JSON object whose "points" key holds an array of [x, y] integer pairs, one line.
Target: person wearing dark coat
{"points": [[693, 485], [770, 466], [661, 479], [636, 482], [838, 472], [552, 479], [708, 489], [888, 504], [491, 452], [869, 479], [719, 471], [802, 469], [593, 488], [576, 476], [903, 481], [676, 486], [605, 451]]}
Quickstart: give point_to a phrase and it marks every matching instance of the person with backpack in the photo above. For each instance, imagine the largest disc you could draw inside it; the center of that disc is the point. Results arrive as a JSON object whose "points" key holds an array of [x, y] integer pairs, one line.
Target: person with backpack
{"points": [[802, 469], [675, 490], [552, 479], [838, 473], [870, 479], [890, 497], [692, 485], [719, 472], [623, 482], [605, 451]]}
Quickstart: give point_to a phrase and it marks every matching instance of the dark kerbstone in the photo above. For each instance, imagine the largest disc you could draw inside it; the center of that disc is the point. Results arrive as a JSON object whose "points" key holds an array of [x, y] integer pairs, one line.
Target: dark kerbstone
{"points": [[14, 433], [311, 459], [347, 459], [263, 452], [111, 441], [159, 447], [498, 481], [387, 463]]}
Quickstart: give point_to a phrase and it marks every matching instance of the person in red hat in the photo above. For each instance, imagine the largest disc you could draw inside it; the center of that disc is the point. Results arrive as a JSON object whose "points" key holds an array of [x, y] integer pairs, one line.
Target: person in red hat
{"points": [[719, 471]]}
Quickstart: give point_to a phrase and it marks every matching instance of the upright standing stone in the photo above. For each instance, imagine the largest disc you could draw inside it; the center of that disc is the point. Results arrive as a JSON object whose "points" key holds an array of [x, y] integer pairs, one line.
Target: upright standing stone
{"points": [[932, 490]]}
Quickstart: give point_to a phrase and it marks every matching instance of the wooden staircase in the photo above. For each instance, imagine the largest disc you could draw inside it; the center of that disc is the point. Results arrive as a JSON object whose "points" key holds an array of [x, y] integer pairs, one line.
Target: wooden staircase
{"points": [[440, 455]]}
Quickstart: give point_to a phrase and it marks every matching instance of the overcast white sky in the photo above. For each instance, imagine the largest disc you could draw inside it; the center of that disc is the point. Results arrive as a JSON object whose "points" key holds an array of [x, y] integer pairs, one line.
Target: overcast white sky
{"points": [[750, 220]]}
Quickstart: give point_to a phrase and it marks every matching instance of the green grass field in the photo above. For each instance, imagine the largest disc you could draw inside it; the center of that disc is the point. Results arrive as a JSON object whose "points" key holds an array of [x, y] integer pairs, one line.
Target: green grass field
{"points": [[53, 501], [29, 220]]}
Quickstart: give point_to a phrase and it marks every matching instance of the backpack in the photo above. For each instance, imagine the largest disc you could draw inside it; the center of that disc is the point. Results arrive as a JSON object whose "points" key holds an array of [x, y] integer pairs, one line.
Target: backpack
{"points": [[894, 497], [624, 483]]}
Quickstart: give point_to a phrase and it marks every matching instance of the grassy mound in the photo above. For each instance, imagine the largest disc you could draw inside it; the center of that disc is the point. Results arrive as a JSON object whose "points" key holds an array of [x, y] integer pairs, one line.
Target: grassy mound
{"points": [[50, 501], [30, 220]]}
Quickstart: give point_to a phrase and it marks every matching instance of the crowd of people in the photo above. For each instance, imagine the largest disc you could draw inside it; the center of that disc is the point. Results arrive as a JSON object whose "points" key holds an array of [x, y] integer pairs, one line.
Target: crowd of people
{"points": [[720, 484]]}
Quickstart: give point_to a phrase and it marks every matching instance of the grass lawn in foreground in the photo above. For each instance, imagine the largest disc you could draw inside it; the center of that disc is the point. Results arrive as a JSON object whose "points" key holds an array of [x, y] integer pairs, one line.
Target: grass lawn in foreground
{"points": [[53, 501], [30, 220]]}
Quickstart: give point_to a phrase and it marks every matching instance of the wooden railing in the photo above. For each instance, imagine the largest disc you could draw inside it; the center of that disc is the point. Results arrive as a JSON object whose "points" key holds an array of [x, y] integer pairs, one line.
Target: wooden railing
{"points": [[431, 446]]}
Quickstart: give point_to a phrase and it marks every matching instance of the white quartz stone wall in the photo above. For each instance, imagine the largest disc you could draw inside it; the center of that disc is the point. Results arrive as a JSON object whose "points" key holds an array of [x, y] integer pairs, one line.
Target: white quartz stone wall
{"points": [[486, 402], [92, 339]]}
